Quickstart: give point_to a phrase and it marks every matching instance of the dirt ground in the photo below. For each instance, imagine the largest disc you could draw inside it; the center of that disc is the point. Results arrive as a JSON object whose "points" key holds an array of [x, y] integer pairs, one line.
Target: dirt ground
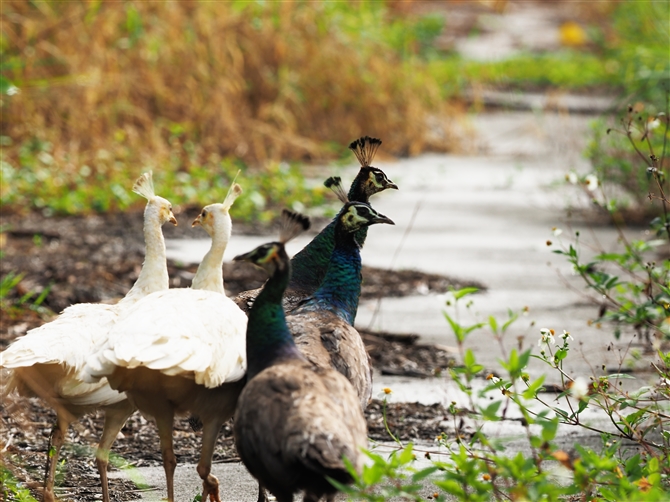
{"points": [[97, 259]]}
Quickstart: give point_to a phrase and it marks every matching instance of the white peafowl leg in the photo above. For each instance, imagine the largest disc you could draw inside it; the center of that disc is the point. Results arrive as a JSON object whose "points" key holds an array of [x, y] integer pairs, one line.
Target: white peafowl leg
{"points": [[63, 420], [210, 485], [164, 423], [115, 417]]}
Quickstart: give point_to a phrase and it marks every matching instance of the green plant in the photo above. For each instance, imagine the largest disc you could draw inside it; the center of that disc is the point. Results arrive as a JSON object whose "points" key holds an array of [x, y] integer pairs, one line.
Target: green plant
{"points": [[479, 468], [11, 489], [632, 284], [12, 302]]}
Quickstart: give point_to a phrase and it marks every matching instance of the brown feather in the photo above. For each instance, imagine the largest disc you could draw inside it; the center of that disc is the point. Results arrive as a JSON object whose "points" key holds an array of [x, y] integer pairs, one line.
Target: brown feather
{"points": [[294, 423], [329, 342]]}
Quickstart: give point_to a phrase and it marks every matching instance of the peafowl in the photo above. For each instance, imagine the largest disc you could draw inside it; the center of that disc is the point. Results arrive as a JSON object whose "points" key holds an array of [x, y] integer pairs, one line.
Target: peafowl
{"points": [[295, 422], [182, 351], [309, 265], [47, 361], [323, 324]]}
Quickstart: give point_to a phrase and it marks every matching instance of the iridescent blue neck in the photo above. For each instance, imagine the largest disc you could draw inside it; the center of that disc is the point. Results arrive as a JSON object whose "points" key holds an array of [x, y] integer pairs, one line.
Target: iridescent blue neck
{"points": [[310, 265], [268, 338], [341, 286]]}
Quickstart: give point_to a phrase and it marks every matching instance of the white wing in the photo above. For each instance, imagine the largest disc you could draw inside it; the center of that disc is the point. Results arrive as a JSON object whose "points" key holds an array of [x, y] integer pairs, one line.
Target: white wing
{"points": [[50, 358], [193, 333], [69, 339]]}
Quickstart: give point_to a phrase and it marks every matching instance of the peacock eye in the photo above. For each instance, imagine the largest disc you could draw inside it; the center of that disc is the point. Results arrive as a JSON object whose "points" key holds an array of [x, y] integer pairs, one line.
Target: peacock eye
{"points": [[204, 213]]}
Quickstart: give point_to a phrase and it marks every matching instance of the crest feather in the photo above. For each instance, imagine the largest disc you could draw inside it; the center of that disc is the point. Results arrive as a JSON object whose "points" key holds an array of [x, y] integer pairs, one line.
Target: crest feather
{"points": [[292, 225], [365, 148], [335, 184], [234, 192], [144, 186]]}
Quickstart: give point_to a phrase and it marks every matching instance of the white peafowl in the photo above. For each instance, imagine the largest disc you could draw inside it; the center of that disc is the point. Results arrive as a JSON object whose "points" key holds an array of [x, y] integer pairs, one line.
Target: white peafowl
{"points": [[47, 361], [182, 351]]}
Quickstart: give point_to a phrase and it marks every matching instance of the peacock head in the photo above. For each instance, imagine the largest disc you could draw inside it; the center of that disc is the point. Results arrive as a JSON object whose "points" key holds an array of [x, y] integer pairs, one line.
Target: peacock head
{"points": [[157, 207], [370, 180], [272, 256], [356, 215], [215, 218]]}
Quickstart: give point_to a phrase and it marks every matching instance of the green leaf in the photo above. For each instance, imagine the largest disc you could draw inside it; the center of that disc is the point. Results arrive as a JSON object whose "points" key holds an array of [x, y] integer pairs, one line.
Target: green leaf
{"points": [[424, 473], [455, 327], [460, 293], [533, 388], [406, 455], [491, 411], [549, 428], [493, 324]]}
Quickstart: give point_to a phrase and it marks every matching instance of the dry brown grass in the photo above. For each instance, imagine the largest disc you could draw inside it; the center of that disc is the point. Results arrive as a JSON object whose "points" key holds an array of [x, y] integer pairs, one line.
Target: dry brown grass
{"points": [[142, 80]]}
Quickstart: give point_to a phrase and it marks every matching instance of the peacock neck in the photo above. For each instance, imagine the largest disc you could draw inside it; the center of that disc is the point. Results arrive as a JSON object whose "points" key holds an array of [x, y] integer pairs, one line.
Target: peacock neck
{"points": [[357, 191], [341, 287], [269, 340], [310, 264], [209, 275], [154, 275]]}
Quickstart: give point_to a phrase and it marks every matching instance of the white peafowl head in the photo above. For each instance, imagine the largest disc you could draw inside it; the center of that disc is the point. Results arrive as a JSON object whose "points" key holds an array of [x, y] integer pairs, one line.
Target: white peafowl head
{"points": [[157, 208], [215, 218]]}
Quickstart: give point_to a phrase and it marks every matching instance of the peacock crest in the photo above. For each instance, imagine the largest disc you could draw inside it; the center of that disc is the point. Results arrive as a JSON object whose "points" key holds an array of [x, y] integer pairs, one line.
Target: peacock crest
{"points": [[234, 192], [365, 148], [292, 225], [335, 184], [144, 186]]}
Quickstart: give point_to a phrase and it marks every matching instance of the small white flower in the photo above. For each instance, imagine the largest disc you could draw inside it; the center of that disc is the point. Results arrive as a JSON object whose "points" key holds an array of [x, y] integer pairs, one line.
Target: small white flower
{"points": [[653, 124], [591, 181], [13, 90], [546, 338], [572, 178], [566, 335], [386, 394], [556, 231], [579, 388]]}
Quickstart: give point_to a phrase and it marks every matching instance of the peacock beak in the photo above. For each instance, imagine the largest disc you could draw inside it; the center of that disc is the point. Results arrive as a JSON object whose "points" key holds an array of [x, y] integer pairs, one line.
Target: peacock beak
{"points": [[197, 221], [390, 184], [244, 257], [172, 219], [380, 218]]}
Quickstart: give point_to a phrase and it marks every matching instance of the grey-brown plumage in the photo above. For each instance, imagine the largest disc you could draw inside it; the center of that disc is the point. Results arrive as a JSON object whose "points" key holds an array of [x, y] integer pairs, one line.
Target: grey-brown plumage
{"points": [[294, 424], [329, 342]]}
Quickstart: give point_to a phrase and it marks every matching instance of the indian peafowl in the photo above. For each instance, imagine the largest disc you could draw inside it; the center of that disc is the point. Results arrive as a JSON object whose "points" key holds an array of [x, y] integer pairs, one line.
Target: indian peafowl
{"points": [[182, 351], [47, 361], [323, 324], [309, 265], [295, 422]]}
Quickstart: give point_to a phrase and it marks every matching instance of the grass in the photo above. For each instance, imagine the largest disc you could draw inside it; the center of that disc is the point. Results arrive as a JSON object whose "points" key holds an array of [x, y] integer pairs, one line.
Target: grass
{"points": [[110, 88], [93, 93]]}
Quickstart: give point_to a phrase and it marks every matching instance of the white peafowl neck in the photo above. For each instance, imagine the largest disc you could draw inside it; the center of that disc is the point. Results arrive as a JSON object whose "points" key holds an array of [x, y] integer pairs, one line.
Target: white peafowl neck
{"points": [[210, 275], [154, 275]]}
